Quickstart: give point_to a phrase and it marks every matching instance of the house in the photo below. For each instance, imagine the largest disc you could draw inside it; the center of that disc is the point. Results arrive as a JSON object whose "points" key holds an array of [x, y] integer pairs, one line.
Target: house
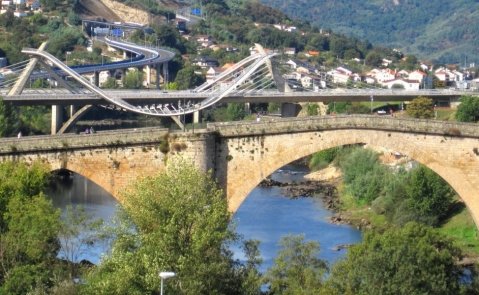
{"points": [[442, 74], [402, 74], [206, 62], [417, 75], [386, 62], [285, 28], [340, 75], [312, 53], [402, 83], [306, 81], [385, 75], [212, 73], [204, 40], [370, 80], [33, 4], [289, 51]]}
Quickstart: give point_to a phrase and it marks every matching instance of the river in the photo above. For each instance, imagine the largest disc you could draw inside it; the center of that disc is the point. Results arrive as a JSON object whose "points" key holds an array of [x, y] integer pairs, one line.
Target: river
{"points": [[266, 215]]}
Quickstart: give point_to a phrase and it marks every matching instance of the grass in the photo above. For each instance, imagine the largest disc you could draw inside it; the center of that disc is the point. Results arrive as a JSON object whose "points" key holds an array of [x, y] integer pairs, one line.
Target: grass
{"points": [[462, 229], [446, 114], [358, 213]]}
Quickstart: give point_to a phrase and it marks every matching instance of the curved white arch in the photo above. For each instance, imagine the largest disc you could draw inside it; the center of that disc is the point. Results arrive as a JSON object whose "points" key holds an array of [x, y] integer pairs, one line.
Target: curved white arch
{"points": [[254, 62]]}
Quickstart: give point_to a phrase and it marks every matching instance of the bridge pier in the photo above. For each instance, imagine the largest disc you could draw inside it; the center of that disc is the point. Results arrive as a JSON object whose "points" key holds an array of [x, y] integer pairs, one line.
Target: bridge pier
{"points": [[57, 118], [157, 76], [197, 117], [165, 73], [97, 78], [147, 71]]}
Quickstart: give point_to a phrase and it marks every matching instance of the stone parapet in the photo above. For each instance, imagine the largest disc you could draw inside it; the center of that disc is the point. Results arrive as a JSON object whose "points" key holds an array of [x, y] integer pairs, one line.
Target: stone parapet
{"points": [[384, 123], [109, 139]]}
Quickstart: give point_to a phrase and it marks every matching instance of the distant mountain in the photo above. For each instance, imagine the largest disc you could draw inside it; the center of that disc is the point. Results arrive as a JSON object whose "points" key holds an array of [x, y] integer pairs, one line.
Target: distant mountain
{"points": [[444, 30]]}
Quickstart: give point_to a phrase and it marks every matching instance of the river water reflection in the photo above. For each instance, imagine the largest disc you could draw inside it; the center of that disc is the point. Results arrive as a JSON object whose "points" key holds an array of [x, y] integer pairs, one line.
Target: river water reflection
{"points": [[266, 215]]}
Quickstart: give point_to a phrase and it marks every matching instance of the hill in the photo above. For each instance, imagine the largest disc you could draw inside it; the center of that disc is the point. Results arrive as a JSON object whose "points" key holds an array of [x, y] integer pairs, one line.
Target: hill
{"points": [[442, 30]]}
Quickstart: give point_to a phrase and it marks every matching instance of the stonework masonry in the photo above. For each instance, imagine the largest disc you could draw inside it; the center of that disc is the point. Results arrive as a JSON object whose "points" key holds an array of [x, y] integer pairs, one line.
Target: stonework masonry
{"points": [[242, 154]]}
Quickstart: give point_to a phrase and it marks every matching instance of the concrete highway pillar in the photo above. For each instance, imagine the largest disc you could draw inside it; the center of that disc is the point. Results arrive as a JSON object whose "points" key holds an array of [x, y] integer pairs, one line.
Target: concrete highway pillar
{"points": [[165, 73], [125, 56], [57, 118], [157, 77], [72, 110], [247, 108], [97, 79], [196, 117], [148, 76]]}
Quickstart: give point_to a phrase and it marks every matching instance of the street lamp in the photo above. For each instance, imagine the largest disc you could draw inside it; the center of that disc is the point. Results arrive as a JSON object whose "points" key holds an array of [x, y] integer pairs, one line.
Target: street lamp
{"points": [[165, 275], [67, 54]]}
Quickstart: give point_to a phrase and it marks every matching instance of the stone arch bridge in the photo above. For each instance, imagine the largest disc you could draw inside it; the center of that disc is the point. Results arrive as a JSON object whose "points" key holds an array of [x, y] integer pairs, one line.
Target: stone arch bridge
{"points": [[244, 153]]}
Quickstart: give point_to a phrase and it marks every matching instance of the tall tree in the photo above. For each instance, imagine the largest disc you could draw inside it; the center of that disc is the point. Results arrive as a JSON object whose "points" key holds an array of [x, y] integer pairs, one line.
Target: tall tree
{"points": [[420, 107], [9, 122], [296, 269], [410, 260], [175, 221], [468, 110]]}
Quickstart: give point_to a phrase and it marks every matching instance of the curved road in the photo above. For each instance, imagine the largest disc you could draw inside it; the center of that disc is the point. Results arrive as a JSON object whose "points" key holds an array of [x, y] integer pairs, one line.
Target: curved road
{"points": [[145, 56]]}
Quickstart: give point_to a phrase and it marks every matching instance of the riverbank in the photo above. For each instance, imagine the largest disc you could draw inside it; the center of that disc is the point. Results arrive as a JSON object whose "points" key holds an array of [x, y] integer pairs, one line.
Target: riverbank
{"points": [[459, 226]]}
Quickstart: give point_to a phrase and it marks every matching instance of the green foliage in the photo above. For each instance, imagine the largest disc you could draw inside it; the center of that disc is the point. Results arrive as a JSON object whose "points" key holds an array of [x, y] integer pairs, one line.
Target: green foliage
{"points": [[133, 80], [29, 226], [296, 269], [323, 158], [348, 108], [235, 111], [274, 107], [363, 174], [64, 39], [420, 107], [110, 83], [8, 119], [397, 24], [409, 260], [35, 119], [468, 110], [73, 18], [187, 79], [312, 109], [181, 223]]}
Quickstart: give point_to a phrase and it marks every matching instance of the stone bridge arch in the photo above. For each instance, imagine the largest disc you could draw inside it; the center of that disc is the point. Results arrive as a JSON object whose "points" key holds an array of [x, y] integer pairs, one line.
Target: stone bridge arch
{"points": [[251, 159]]}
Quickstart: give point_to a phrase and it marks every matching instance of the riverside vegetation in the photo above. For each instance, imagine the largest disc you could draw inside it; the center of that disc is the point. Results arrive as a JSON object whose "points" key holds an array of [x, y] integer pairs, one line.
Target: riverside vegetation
{"points": [[178, 220]]}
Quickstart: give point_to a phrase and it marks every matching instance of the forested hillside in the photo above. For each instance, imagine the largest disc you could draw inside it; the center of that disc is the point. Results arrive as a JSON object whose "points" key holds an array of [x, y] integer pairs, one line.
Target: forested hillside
{"points": [[443, 30]]}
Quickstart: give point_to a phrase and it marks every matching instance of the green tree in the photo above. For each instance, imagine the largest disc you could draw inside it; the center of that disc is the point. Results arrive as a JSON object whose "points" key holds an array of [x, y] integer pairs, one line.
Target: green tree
{"points": [[410, 260], [110, 83], [133, 80], [235, 111], [373, 59], [181, 224], [9, 122], [421, 107], [187, 79], [29, 226], [363, 174], [312, 109], [428, 195], [468, 110], [296, 269]]}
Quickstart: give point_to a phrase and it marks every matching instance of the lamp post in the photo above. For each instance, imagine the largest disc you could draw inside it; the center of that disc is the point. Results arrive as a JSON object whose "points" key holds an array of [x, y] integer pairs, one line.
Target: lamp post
{"points": [[67, 54], [165, 275]]}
